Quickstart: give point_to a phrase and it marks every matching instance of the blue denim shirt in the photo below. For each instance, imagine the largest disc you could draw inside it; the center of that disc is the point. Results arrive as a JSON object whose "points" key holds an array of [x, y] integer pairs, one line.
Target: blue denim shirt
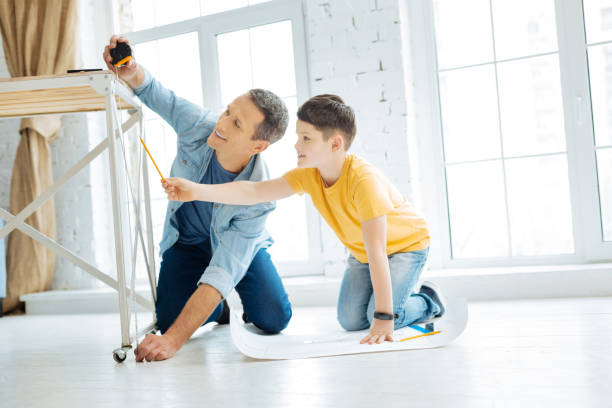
{"points": [[237, 232]]}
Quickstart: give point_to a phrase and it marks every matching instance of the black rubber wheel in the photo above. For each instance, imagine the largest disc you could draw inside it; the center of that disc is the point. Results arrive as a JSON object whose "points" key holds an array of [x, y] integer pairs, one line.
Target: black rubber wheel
{"points": [[119, 355]]}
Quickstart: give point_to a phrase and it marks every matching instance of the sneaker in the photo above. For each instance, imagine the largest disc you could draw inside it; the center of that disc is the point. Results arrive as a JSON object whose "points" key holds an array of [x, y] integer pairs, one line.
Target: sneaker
{"points": [[435, 293], [225, 313]]}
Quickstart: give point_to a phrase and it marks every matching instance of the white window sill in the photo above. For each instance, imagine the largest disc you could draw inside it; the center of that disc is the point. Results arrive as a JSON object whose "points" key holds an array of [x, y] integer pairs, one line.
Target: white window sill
{"points": [[474, 284]]}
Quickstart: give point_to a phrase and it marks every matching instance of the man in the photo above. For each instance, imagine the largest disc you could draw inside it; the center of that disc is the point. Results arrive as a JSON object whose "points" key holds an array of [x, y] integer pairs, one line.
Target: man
{"points": [[208, 249]]}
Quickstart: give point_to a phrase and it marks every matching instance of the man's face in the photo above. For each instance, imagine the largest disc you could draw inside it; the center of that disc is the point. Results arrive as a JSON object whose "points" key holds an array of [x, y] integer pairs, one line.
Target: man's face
{"points": [[236, 126], [312, 150]]}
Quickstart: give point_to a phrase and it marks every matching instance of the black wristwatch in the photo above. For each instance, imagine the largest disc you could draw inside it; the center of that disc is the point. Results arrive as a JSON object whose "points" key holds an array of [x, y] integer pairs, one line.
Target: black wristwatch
{"points": [[385, 316]]}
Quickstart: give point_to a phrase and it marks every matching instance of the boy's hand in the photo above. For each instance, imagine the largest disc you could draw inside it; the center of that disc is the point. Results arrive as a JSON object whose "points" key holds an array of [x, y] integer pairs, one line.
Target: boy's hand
{"points": [[179, 189], [380, 330]]}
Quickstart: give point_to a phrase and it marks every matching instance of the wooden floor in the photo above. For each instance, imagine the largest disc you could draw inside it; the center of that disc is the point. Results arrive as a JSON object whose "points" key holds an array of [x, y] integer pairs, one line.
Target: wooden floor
{"points": [[545, 353]]}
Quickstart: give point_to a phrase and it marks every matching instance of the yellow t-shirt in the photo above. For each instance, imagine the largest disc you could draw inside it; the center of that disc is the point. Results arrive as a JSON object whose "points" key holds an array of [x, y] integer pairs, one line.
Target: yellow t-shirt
{"points": [[361, 193]]}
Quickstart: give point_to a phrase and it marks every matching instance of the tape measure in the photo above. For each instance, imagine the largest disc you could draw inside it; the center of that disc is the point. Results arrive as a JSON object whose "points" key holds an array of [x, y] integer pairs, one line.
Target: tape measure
{"points": [[121, 54]]}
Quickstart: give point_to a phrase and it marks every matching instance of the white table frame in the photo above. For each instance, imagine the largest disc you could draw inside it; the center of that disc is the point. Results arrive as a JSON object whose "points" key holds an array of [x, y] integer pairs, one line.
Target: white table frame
{"points": [[106, 84]]}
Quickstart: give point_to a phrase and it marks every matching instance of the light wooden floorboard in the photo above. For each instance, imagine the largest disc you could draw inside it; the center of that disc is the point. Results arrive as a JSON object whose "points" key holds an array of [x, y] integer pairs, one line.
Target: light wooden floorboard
{"points": [[535, 353]]}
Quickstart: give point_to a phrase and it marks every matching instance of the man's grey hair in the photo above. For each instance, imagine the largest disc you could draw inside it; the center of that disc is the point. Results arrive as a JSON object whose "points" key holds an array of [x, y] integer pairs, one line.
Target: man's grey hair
{"points": [[276, 116]]}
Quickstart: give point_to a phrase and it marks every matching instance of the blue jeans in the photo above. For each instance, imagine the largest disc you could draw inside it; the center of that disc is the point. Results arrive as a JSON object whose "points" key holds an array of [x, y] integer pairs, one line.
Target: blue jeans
{"points": [[261, 290], [356, 301]]}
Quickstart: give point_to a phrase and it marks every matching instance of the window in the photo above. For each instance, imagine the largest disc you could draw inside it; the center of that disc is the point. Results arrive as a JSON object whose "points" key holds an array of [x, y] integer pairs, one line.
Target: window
{"points": [[155, 13], [262, 57], [223, 56], [526, 178], [598, 24]]}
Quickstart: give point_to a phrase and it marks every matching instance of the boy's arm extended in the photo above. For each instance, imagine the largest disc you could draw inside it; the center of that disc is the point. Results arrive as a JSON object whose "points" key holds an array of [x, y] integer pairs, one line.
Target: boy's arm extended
{"points": [[238, 192], [375, 240]]}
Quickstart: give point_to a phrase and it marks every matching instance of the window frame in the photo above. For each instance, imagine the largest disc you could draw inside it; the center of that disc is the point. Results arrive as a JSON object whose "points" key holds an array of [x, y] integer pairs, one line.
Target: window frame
{"points": [[582, 172], [207, 28]]}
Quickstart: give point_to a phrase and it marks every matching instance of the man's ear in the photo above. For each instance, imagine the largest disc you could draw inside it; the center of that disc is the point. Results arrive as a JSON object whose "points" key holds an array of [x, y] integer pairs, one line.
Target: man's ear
{"points": [[260, 146]]}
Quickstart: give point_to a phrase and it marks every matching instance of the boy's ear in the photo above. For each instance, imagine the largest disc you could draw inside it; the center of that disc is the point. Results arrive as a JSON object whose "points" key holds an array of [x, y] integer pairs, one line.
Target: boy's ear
{"points": [[260, 146], [337, 142]]}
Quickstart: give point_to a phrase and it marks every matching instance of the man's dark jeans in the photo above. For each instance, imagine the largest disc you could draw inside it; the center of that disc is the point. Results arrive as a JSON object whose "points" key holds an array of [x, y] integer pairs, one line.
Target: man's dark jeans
{"points": [[261, 290]]}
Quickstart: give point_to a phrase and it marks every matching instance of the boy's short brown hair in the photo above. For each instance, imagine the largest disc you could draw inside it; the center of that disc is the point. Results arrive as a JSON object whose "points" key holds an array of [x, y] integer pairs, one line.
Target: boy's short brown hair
{"points": [[329, 113]]}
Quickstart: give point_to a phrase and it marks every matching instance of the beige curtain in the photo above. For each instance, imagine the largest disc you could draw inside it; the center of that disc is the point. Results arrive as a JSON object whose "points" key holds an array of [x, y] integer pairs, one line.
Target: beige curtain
{"points": [[39, 39]]}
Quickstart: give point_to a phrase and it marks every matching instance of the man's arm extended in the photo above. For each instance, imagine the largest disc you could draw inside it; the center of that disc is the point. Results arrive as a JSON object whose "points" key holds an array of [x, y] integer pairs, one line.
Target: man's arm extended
{"points": [[197, 309], [238, 193], [178, 112]]}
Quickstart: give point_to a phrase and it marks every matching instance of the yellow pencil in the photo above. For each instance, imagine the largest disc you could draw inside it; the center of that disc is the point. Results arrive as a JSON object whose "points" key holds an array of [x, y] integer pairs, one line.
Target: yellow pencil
{"points": [[421, 335], [155, 164]]}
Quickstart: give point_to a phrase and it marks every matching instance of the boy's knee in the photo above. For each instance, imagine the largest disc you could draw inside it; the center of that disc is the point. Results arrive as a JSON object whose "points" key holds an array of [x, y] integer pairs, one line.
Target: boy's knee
{"points": [[352, 321]]}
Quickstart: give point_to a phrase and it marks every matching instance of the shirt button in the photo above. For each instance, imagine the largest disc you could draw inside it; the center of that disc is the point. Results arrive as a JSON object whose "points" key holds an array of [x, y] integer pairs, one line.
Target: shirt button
{"points": [[184, 161]]}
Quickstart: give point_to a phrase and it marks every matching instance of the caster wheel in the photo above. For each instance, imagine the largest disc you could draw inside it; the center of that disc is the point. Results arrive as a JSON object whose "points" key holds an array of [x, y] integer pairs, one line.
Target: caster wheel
{"points": [[119, 355]]}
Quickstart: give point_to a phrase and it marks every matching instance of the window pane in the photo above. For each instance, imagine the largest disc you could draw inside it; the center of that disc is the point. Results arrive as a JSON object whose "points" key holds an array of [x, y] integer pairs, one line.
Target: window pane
{"points": [[185, 81], [539, 206], [143, 13], [152, 13], [463, 32], [524, 27], [604, 168], [262, 57], [167, 12], [234, 64], [147, 55], [600, 67], [272, 55], [477, 210], [598, 20], [531, 106], [161, 141], [469, 114], [217, 6], [289, 218]]}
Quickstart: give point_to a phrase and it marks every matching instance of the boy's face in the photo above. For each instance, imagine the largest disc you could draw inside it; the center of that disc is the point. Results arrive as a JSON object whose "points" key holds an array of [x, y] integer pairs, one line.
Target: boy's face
{"points": [[312, 149], [236, 126]]}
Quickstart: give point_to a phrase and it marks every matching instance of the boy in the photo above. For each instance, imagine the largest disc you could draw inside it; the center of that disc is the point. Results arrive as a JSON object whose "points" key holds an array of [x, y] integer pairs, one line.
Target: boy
{"points": [[388, 241]]}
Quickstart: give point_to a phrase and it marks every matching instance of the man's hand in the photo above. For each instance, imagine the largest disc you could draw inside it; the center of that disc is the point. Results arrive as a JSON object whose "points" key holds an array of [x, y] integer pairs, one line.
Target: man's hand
{"points": [[156, 348], [131, 72], [380, 330], [179, 189]]}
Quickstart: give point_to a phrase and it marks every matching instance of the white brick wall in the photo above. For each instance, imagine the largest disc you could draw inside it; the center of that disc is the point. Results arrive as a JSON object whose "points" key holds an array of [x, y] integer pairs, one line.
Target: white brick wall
{"points": [[355, 51]]}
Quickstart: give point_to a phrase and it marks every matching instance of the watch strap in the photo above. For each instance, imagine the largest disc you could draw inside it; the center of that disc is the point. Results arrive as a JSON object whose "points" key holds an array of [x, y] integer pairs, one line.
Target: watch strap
{"points": [[385, 316]]}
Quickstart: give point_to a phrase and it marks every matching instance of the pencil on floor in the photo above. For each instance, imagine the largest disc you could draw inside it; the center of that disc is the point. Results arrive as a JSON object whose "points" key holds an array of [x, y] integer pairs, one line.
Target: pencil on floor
{"points": [[421, 335], [155, 164]]}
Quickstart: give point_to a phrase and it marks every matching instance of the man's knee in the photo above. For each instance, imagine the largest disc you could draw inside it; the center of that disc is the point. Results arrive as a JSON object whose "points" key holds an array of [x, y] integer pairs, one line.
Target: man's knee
{"points": [[164, 316], [274, 318], [163, 322]]}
